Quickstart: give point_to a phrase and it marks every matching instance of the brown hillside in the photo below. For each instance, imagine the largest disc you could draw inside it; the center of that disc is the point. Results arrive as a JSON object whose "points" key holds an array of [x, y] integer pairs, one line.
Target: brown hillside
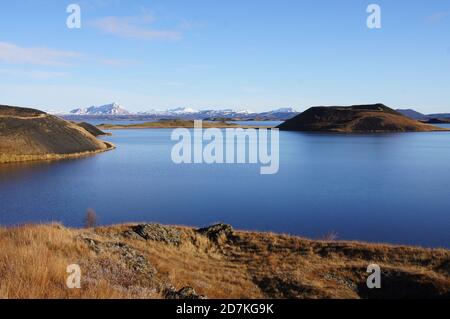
{"points": [[156, 261], [358, 118], [27, 134]]}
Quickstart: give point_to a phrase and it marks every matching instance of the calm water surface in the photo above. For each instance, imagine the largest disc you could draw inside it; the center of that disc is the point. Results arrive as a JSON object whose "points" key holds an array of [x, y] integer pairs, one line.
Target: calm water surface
{"points": [[384, 188]]}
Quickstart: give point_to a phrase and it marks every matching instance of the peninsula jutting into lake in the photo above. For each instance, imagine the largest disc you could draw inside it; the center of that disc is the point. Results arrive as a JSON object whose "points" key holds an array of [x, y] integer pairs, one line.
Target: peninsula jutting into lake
{"points": [[32, 135]]}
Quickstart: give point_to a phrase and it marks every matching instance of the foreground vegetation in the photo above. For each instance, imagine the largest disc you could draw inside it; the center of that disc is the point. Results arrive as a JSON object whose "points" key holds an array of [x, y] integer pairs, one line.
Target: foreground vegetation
{"points": [[155, 261]]}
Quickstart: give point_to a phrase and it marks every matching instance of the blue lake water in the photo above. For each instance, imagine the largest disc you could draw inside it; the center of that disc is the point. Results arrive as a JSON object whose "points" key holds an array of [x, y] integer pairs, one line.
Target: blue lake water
{"points": [[383, 188]]}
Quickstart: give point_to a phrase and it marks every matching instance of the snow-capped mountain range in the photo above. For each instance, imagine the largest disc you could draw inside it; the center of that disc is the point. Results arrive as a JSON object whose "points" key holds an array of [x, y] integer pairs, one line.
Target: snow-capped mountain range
{"points": [[115, 109], [108, 109], [186, 110]]}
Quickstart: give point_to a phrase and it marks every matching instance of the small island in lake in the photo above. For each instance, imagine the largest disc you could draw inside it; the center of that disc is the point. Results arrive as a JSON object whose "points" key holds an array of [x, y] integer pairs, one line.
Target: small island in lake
{"points": [[373, 118], [32, 135], [436, 121]]}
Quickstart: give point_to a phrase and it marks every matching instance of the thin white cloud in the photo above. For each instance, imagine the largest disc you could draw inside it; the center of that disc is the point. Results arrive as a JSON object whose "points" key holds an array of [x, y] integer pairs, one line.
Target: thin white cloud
{"points": [[32, 74], [438, 16], [12, 53], [134, 28]]}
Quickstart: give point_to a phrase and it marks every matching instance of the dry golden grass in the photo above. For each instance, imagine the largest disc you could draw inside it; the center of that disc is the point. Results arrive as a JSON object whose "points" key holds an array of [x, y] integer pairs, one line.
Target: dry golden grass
{"points": [[115, 264]]}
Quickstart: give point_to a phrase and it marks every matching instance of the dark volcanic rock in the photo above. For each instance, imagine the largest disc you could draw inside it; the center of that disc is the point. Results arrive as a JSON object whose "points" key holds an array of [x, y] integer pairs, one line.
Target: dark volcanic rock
{"points": [[156, 232], [184, 293], [217, 232], [134, 260]]}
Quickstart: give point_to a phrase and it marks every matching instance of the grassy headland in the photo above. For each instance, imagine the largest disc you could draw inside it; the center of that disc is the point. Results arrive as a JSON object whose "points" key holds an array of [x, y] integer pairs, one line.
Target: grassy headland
{"points": [[155, 261], [32, 135]]}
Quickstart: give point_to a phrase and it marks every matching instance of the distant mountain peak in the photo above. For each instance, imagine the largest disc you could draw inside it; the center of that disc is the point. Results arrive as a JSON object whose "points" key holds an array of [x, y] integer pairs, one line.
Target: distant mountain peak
{"points": [[244, 112], [183, 110], [284, 110], [411, 113], [107, 109]]}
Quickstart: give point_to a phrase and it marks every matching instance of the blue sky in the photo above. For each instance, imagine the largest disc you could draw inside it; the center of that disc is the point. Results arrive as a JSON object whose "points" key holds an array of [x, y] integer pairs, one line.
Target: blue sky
{"points": [[242, 54]]}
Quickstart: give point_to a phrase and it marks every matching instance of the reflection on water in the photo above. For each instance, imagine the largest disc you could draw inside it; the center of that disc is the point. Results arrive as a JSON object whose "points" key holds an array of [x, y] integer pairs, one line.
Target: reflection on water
{"points": [[386, 187], [18, 171]]}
